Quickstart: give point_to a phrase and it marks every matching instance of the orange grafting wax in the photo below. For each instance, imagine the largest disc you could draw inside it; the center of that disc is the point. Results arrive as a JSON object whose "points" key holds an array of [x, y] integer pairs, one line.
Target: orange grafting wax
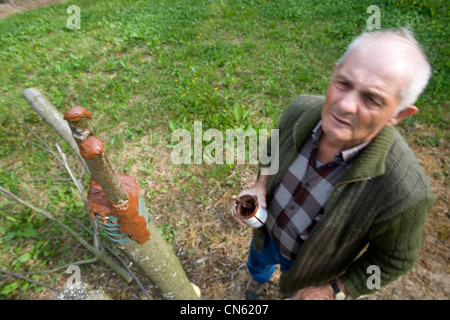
{"points": [[91, 147], [76, 113], [130, 222]]}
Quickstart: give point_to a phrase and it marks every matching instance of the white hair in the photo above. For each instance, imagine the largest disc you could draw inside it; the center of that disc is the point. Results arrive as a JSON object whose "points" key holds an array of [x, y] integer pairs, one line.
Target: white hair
{"points": [[419, 70]]}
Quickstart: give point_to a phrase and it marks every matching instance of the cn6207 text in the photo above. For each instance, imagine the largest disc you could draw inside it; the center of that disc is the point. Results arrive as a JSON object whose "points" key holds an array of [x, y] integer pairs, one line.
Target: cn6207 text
{"points": [[230, 309], [246, 309]]}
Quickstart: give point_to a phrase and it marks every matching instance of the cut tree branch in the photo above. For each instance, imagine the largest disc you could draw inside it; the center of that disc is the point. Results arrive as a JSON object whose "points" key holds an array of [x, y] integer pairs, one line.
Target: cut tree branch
{"points": [[154, 257], [97, 253], [53, 117]]}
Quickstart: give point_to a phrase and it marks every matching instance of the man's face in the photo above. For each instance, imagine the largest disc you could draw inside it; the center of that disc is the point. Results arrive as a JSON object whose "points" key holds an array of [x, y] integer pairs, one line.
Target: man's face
{"points": [[361, 99]]}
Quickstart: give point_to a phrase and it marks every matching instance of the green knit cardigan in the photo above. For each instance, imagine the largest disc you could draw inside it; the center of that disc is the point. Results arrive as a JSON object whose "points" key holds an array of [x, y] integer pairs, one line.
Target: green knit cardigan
{"points": [[373, 217]]}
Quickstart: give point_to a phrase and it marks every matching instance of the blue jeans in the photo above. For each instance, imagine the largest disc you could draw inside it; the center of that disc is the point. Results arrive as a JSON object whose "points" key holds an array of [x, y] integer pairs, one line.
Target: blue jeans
{"points": [[261, 265]]}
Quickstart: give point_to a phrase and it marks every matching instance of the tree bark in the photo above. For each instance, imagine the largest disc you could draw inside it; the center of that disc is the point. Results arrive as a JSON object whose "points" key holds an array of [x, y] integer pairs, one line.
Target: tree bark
{"points": [[53, 117], [161, 266], [154, 257]]}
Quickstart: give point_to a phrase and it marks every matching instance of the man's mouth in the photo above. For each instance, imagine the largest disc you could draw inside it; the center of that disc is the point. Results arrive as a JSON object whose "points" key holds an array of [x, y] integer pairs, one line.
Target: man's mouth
{"points": [[341, 121]]}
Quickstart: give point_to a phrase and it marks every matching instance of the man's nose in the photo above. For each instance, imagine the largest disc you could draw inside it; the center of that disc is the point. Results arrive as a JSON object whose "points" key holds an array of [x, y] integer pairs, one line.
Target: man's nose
{"points": [[348, 104]]}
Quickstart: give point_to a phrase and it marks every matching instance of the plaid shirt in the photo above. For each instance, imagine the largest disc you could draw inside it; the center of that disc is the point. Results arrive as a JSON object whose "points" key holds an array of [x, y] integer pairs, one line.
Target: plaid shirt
{"points": [[297, 203]]}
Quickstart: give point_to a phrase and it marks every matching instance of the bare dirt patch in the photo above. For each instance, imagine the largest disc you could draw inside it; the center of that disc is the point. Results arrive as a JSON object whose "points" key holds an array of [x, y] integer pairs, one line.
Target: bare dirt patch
{"points": [[10, 7]]}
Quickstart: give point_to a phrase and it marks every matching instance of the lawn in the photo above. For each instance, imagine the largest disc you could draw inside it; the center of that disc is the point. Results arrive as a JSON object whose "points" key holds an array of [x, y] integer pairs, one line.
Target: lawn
{"points": [[147, 68]]}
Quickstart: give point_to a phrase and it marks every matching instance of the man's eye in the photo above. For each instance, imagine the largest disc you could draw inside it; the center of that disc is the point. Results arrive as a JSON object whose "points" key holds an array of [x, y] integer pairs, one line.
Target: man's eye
{"points": [[374, 101], [344, 84]]}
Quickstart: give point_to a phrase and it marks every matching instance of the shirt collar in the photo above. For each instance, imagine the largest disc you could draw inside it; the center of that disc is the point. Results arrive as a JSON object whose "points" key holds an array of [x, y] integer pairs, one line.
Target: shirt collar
{"points": [[346, 155]]}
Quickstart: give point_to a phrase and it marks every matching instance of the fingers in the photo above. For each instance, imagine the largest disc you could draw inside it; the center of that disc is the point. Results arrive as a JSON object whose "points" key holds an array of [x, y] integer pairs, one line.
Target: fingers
{"points": [[234, 214], [262, 201]]}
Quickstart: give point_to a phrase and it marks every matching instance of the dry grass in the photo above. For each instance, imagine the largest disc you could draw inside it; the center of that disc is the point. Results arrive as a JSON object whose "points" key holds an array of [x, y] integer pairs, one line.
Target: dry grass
{"points": [[213, 248]]}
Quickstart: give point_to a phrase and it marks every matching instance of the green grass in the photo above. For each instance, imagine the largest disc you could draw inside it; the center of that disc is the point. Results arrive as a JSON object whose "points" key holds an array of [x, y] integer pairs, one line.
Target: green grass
{"points": [[145, 67]]}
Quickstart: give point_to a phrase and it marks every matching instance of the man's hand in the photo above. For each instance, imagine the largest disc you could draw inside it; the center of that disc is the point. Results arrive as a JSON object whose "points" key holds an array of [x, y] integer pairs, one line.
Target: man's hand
{"points": [[258, 190], [323, 292]]}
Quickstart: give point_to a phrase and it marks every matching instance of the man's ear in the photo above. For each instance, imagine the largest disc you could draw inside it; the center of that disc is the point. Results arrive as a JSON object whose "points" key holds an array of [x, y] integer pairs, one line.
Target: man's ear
{"points": [[406, 112]]}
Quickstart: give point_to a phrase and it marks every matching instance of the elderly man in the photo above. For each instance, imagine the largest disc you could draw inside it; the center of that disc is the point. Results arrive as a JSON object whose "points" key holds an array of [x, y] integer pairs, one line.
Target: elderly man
{"points": [[349, 201]]}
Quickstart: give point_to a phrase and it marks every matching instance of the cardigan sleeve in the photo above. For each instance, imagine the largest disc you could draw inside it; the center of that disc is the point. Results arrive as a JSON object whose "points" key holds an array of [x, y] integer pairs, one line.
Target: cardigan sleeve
{"points": [[393, 249]]}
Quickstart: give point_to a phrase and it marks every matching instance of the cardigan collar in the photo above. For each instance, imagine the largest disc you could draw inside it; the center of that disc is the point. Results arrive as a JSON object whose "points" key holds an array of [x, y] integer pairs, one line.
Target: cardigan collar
{"points": [[345, 156], [370, 163]]}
